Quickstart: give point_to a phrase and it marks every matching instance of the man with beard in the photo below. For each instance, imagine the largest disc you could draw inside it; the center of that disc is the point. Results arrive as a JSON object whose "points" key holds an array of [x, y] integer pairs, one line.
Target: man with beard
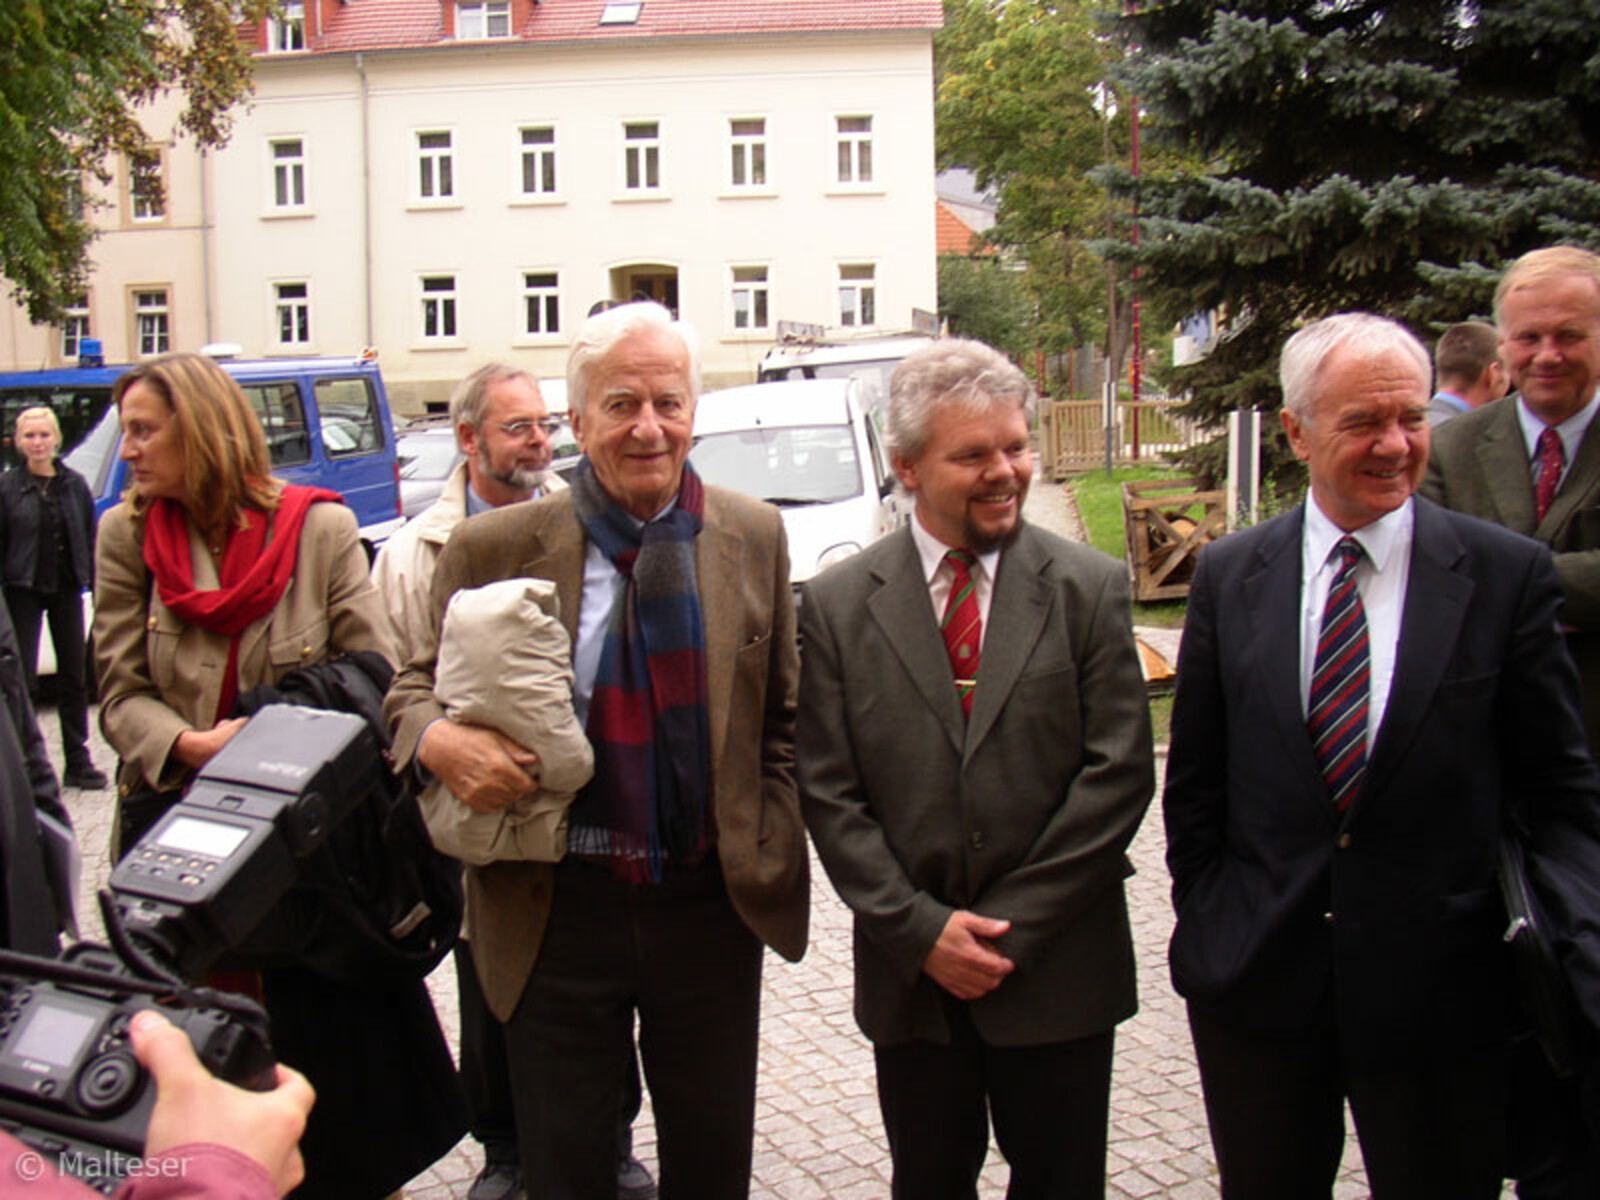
{"points": [[972, 796], [504, 431]]}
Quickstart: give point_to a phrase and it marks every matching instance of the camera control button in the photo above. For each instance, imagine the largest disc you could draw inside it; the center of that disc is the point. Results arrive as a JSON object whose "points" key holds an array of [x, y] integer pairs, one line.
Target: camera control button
{"points": [[108, 1082]]}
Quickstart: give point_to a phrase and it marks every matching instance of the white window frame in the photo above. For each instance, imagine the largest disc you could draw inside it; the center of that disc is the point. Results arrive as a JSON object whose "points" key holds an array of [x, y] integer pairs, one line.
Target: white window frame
{"points": [[540, 287], [642, 157], [434, 167], [858, 295], [284, 172], [750, 299], [286, 31], [142, 208], [151, 303], [853, 169], [75, 326], [439, 308], [541, 155], [747, 153], [487, 15], [299, 308]]}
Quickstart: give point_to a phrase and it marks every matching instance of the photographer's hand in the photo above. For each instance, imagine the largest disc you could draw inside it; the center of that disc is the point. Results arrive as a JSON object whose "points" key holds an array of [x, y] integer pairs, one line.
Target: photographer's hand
{"points": [[194, 1106], [196, 747], [481, 767]]}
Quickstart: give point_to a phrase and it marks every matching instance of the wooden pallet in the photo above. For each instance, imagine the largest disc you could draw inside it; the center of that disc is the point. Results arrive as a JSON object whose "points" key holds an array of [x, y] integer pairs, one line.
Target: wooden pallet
{"points": [[1167, 522]]}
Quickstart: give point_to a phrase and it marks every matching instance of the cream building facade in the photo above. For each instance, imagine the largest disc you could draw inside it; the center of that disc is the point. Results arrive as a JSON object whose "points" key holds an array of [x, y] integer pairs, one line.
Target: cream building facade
{"points": [[401, 183]]}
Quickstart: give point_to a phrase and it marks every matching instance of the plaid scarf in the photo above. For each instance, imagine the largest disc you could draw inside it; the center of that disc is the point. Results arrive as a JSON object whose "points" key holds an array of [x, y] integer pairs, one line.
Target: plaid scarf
{"points": [[648, 719]]}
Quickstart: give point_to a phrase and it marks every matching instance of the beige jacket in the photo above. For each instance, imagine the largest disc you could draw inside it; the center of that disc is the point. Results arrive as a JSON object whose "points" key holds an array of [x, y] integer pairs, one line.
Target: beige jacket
{"points": [[403, 569], [160, 676]]}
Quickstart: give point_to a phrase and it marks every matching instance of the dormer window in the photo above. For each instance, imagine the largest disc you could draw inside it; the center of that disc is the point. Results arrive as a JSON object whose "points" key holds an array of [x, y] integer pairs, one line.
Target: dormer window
{"points": [[621, 12], [287, 30], [483, 19]]}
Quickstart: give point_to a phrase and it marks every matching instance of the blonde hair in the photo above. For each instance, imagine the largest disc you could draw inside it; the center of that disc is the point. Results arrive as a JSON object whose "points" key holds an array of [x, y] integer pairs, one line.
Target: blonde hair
{"points": [[43, 411], [226, 468], [1542, 264]]}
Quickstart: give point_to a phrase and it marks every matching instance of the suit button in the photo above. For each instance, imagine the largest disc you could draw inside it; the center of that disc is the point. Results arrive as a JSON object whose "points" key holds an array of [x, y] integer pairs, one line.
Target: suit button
{"points": [[1344, 841], [1327, 918], [977, 840]]}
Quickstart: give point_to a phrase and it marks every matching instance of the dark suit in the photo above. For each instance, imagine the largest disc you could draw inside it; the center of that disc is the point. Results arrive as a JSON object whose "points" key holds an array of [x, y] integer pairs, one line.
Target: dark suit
{"points": [[758, 886], [1371, 939], [1023, 812]]}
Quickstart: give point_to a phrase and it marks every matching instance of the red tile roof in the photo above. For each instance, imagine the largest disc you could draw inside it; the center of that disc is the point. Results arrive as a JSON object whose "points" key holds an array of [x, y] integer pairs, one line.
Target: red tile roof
{"points": [[952, 235], [392, 24]]}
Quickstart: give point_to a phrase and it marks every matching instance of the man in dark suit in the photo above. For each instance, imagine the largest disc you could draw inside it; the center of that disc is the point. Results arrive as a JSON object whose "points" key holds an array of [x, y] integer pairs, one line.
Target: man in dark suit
{"points": [[1367, 686], [686, 852], [1528, 462], [974, 752]]}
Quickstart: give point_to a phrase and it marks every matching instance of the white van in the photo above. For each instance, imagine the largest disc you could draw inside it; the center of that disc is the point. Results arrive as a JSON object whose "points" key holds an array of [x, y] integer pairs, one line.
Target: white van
{"points": [[810, 447], [872, 360]]}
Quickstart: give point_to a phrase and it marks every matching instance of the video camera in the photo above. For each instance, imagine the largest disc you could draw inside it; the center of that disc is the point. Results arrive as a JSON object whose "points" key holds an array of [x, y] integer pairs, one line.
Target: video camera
{"points": [[196, 888]]}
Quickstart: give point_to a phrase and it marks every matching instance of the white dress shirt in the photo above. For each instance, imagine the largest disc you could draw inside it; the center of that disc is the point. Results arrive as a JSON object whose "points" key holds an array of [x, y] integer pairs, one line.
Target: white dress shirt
{"points": [[1571, 431], [1381, 578], [940, 575]]}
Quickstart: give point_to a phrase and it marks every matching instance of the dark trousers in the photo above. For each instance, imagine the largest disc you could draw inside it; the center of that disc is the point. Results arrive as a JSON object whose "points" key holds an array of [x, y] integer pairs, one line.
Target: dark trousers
{"points": [[1276, 1109], [486, 1072], [1049, 1105], [1553, 1154], [65, 613], [677, 955]]}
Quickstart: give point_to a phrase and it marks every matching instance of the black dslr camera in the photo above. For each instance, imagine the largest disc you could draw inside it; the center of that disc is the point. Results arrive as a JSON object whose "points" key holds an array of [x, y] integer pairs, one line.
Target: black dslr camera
{"points": [[194, 890]]}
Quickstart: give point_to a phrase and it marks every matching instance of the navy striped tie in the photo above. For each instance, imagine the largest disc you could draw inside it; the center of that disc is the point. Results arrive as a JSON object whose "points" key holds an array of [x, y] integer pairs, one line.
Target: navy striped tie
{"points": [[1340, 683]]}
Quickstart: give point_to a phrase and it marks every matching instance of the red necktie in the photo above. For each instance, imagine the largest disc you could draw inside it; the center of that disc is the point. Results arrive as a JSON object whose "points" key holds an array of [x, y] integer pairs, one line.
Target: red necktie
{"points": [[1552, 456], [962, 627], [1340, 682]]}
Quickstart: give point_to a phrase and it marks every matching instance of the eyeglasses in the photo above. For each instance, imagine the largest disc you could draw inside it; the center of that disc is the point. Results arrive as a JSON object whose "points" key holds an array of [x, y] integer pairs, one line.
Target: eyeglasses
{"points": [[524, 429]]}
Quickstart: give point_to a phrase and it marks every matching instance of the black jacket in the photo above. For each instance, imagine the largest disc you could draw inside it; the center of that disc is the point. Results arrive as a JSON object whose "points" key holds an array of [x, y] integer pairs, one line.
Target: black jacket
{"points": [[20, 502]]}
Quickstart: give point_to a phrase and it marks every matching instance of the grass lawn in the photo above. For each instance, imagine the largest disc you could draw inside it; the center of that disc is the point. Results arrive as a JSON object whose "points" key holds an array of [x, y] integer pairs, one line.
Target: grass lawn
{"points": [[1099, 500]]}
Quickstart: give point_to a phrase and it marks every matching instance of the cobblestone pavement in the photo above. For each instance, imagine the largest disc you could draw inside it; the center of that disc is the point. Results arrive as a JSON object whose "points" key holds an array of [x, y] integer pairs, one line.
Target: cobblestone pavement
{"points": [[818, 1134]]}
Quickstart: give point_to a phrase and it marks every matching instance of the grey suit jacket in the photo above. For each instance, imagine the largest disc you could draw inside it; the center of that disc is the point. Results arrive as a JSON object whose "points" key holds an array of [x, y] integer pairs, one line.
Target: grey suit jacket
{"points": [[1024, 812], [743, 567], [1479, 465]]}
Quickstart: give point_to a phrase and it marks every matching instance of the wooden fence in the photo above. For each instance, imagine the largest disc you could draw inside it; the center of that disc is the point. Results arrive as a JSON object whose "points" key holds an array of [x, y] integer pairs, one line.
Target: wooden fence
{"points": [[1072, 435]]}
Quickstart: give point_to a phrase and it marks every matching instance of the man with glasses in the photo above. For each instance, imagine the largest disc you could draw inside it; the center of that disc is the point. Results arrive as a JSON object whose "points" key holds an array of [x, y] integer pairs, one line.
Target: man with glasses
{"points": [[504, 431]]}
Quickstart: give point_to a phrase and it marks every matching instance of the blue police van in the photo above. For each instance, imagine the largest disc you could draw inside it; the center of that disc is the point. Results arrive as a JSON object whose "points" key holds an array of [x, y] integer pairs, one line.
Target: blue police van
{"points": [[327, 422]]}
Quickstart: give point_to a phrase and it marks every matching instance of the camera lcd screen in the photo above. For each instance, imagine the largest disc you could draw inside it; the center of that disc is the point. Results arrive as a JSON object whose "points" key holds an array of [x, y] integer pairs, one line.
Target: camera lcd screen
{"points": [[212, 838], [53, 1035]]}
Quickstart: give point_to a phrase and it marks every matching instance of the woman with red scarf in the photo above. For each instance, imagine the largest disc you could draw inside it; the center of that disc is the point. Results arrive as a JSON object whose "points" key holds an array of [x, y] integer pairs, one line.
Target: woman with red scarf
{"points": [[213, 578]]}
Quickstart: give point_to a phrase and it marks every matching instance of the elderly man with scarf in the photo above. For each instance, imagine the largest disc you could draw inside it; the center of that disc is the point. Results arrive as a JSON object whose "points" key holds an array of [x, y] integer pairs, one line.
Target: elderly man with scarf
{"points": [[686, 852]]}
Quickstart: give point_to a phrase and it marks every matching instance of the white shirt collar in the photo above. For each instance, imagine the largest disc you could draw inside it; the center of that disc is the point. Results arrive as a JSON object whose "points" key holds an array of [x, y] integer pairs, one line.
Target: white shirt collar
{"points": [[1377, 539], [1571, 430], [932, 551]]}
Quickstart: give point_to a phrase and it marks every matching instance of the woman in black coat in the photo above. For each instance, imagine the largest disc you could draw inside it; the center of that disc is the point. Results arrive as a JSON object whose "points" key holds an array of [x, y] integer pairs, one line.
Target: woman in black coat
{"points": [[46, 557]]}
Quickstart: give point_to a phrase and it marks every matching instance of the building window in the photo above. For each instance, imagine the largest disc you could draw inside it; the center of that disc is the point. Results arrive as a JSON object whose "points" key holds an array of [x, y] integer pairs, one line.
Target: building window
{"points": [[483, 19], [855, 149], [750, 298], [74, 327], [438, 307], [541, 302], [292, 308], [538, 160], [641, 155], [621, 12], [435, 165], [858, 294], [748, 138], [152, 321], [287, 30], [288, 173], [147, 200]]}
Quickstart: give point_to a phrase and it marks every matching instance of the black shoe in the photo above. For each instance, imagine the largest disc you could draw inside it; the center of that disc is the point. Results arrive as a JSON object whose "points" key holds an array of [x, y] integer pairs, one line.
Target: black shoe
{"points": [[633, 1180], [88, 778], [497, 1181]]}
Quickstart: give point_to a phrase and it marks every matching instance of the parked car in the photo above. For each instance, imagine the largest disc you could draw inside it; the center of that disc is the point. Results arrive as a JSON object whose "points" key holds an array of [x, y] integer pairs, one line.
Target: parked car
{"points": [[871, 359], [327, 422], [810, 447], [427, 453]]}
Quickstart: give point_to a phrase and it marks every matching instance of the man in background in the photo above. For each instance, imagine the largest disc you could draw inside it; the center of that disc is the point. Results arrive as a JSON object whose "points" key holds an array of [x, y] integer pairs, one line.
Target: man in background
{"points": [[1467, 359]]}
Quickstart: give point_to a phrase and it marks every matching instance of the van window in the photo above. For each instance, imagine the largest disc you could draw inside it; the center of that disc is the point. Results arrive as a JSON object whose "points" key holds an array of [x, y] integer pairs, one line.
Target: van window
{"points": [[283, 420], [787, 466], [349, 413]]}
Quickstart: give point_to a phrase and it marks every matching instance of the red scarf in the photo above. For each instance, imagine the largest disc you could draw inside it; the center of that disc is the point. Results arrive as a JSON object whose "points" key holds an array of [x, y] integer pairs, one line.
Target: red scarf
{"points": [[255, 573]]}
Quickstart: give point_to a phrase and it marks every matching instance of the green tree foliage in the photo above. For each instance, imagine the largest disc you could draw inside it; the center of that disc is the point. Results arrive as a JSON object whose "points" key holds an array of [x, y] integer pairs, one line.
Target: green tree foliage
{"points": [[1383, 156], [72, 74], [986, 299], [1020, 103]]}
